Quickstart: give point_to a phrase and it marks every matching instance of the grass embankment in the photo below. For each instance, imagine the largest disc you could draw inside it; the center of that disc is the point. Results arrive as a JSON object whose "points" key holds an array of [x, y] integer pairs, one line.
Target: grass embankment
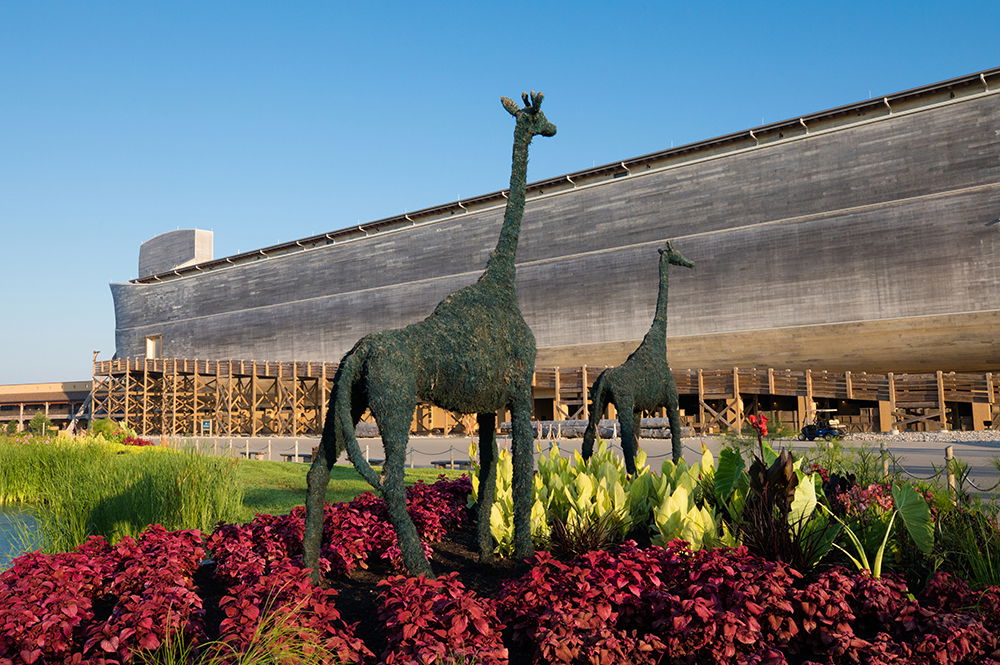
{"points": [[277, 487], [83, 487]]}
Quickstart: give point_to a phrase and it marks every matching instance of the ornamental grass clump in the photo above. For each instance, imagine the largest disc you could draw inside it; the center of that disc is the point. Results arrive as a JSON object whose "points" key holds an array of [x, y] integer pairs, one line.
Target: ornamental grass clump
{"points": [[83, 487]]}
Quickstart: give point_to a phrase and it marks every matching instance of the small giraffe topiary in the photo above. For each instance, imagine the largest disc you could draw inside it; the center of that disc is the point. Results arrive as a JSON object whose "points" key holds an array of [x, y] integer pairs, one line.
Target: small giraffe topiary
{"points": [[644, 381], [473, 354]]}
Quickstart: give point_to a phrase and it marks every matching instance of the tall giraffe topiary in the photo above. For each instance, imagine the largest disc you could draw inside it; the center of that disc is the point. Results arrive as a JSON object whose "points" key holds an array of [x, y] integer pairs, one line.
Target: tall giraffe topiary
{"points": [[644, 381], [473, 354]]}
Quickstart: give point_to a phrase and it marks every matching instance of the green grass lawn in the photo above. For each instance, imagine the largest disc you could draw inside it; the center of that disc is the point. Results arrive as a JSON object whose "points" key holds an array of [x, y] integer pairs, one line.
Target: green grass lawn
{"points": [[277, 487]]}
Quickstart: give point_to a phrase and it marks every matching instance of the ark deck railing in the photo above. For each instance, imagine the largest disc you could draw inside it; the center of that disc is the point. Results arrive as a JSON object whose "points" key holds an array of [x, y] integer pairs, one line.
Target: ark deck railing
{"points": [[178, 396]]}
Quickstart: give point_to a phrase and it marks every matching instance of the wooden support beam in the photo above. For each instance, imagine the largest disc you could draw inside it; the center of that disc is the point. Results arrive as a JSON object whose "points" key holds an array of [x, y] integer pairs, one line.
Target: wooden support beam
{"points": [[849, 381], [557, 408], [810, 403], [940, 399], [701, 403], [254, 421], [886, 417], [585, 392], [892, 398], [194, 401], [770, 381], [980, 414], [738, 402]]}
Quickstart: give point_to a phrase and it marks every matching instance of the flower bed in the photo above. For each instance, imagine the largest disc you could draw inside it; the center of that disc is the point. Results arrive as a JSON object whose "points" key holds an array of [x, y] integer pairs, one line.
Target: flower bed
{"points": [[103, 604]]}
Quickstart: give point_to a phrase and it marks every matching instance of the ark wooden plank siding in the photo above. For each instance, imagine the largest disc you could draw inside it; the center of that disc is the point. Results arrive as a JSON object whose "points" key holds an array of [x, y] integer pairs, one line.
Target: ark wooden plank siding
{"points": [[854, 239]]}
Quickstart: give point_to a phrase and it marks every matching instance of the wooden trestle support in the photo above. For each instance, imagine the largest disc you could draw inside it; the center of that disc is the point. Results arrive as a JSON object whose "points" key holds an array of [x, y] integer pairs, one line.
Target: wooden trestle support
{"points": [[177, 396]]}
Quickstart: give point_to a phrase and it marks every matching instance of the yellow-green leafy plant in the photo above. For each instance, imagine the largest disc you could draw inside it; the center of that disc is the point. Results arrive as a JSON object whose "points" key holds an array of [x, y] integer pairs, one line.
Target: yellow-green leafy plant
{"points": [[680, 512], [502, 511]]}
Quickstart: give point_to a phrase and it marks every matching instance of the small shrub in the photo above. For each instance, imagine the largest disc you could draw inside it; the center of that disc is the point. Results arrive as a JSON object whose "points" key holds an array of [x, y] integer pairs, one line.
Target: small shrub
{"points": [[40, 424]]}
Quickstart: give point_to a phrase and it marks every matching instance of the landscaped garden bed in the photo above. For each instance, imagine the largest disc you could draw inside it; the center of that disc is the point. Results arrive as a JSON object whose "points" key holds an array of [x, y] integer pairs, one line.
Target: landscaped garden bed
{"points": [[843, 577]]}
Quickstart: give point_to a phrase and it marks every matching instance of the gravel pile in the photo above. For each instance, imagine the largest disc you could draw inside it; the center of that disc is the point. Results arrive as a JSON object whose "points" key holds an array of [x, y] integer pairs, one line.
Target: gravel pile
{"points": [[992, 436]]}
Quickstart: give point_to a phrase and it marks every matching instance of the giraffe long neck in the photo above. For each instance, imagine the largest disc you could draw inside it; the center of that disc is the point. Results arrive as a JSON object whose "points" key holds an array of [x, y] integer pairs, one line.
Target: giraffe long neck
{"points": [[658, 330], [501, 263]]}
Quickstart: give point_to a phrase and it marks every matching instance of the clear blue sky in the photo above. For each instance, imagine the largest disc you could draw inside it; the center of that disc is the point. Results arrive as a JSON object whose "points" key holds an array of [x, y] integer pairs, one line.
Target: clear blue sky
{"points": [[268, 121]]}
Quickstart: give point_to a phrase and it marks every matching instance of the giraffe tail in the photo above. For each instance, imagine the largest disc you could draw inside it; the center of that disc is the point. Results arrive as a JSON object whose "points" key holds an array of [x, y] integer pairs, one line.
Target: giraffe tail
{"points": [[598, 398], [340, 422]]}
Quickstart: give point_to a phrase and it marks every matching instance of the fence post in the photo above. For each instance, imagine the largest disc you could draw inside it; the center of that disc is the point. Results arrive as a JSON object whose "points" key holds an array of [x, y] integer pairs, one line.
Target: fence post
{"points": [[884, 455], [949, 458], [296, 458], [411, 458], [451, 456], [269, 450], [368, 452], [246, 448]]}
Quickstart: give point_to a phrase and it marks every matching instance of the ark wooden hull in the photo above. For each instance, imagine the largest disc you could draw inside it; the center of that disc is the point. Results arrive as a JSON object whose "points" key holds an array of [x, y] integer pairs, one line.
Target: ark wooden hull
{"points": [[860, 238]]}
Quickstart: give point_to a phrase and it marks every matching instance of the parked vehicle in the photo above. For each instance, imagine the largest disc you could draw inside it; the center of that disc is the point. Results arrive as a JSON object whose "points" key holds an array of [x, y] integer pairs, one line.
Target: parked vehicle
{"points": [[824, 427]]}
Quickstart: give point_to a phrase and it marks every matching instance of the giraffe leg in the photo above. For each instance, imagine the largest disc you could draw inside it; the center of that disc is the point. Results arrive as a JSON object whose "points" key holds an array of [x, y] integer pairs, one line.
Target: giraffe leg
{"points": [[487, 482], [317, 481], [392, 403], [673, 412], [524, 466], [626, 419]]}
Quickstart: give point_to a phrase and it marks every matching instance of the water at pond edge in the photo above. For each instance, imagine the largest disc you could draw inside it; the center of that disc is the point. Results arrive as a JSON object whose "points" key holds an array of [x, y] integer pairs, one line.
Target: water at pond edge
{"points": [[18, 532]]}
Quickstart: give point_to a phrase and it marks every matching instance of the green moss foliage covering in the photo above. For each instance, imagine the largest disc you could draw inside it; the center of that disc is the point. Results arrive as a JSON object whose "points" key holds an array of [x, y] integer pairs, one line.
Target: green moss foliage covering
{"points": [[473, 354], [644, 381]]}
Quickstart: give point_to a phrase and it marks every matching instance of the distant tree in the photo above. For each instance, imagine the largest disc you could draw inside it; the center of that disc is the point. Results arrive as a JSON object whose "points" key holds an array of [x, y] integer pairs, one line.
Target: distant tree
{"points": [[40, 424]]}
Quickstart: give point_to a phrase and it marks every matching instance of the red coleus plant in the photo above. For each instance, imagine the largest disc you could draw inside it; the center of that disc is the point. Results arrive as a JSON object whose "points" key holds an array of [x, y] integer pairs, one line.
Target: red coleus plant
{"points": [[439, 622]]}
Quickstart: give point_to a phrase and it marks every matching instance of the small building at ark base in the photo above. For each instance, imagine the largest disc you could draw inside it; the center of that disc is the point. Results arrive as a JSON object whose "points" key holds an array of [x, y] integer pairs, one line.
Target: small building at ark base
{"points": [[848, 259]]}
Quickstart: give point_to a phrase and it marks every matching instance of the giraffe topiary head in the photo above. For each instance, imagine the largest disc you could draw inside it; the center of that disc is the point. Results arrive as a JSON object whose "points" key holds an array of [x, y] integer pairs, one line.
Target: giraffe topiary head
{"points": [[670, 255], [530, 118]]}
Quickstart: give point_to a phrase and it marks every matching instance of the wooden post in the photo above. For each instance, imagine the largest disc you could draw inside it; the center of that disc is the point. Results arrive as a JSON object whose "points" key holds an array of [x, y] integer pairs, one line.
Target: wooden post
{"points": [[702, 426], [810, 404], [949, 458], [892, 400], [557, 413], [886, 421], [145, 397], [737, 403], [173, 402], [269, 450], [194, 400], [770, 381], [128, 375], [940, 396], [322, 397], [980, 414], [585, 392], [253, 400], [848, 379]]}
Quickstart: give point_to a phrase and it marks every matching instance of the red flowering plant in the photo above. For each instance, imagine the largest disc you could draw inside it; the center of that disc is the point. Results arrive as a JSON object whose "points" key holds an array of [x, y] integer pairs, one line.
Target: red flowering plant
{"points": [[759, 424]]}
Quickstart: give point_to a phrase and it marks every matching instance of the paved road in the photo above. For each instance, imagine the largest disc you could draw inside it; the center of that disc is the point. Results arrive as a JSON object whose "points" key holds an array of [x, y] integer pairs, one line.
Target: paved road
{"points": [[920, 458]]}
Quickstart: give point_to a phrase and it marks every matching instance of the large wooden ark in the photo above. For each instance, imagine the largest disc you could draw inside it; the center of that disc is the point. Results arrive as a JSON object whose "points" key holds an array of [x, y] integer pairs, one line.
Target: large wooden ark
{"points": [[864, 237]]}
